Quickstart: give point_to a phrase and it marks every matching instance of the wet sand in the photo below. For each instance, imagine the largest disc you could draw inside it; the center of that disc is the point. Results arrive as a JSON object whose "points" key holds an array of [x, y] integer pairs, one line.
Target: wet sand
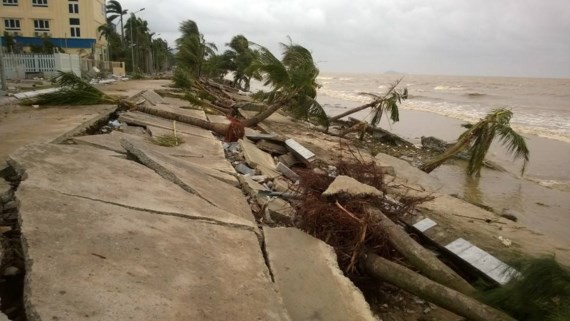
{"points": [[545, 210]]}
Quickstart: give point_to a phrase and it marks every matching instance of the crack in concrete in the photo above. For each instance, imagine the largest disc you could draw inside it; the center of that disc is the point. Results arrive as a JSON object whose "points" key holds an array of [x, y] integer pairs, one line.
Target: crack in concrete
{"points": [[201, 219], [263, 247], [160, 170]]}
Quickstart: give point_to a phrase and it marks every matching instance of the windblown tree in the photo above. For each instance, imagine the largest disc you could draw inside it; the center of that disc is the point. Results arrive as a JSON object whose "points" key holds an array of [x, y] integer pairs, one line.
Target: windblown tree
{"points": [[115, 10], [477, 140], [241, 57], [115, 44], [139, 35], [293, 88], [193, 50], [293, 81], [387, 104]]}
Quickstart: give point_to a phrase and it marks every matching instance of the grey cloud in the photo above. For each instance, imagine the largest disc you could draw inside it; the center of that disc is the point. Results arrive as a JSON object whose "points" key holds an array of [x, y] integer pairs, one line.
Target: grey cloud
{"points": [[486, 37]]}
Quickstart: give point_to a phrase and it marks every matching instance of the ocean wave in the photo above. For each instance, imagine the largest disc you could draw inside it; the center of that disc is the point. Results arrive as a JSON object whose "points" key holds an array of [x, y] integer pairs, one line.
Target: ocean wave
{"points": [[550, 183], [545, 127], [447, 88]]}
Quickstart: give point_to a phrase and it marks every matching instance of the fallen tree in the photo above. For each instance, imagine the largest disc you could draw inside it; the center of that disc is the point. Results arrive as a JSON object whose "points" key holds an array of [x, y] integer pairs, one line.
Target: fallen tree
{"points": [[431, 291]]}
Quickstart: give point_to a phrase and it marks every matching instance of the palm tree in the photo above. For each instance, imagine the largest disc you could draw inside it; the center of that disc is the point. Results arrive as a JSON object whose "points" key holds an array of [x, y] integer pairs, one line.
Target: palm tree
{"points": [[381, 104], [477, 139], [138, 32], [115, 8], [193, 50], [241, 56], [293, 81]]}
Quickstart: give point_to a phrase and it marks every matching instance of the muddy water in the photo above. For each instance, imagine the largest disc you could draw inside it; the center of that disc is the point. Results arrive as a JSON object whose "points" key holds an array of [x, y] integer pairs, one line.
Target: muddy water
{"points": [[541, 199]]}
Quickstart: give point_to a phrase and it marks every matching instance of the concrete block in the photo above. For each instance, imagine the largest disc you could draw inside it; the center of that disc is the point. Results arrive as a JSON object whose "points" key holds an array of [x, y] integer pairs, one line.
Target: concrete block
{"points": [[348, 185], [271, 148], [309, 279], [300, 151], [280, 211], [255, 156], [484, 262], [287, 172]]}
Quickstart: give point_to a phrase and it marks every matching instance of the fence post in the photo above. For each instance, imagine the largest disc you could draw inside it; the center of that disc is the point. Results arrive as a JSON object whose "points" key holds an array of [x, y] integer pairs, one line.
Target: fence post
{"points": [[2, 67]]}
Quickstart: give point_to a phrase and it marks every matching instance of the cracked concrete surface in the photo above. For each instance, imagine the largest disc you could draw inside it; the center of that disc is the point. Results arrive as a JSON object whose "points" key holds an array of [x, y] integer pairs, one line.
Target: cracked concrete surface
{"points": [[117, 228], [110, 177], [108, 262]]}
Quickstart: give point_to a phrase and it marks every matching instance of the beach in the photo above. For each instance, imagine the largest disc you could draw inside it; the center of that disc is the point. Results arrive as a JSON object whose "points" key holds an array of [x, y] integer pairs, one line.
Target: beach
{"points": [[438, 105]]}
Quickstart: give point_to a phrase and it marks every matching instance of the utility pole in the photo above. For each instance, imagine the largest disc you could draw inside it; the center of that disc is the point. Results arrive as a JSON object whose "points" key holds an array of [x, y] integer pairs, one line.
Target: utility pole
{"points": [[2, 67], [132, 39]]}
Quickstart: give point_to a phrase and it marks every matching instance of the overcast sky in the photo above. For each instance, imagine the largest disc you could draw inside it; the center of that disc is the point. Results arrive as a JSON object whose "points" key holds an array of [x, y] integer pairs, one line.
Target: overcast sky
{"points": [[454, 37]]}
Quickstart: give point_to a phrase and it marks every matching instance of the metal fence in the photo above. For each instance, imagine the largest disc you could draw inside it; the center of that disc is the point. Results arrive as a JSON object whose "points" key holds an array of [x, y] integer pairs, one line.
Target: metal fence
{"points": [[21, 66]]}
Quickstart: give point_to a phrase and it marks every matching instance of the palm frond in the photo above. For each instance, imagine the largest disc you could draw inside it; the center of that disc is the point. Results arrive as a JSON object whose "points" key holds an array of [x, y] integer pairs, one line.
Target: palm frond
{"points": [[540, 292], [74, 91], [515, 144]]}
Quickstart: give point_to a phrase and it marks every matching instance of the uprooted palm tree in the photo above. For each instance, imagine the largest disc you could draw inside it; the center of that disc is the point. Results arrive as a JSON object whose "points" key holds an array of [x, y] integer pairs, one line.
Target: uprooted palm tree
{"points": [[477, 139], [75, 91]]}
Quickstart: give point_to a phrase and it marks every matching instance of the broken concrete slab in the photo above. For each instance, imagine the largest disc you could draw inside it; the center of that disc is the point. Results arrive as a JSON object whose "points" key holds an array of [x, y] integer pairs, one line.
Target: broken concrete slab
{"points": [[280, 211], [315, 288], [207, 153], [281, 185], [258, 159], [271, 148], [290, 160], [109, 177], [287, 172], [300, 151], [127, 264], [409, 173], [191, 178], [268, 137], [348, 185], [142, 119], [255, 156], [249, 186], [93, 122], [245, 170], [148, 96]]}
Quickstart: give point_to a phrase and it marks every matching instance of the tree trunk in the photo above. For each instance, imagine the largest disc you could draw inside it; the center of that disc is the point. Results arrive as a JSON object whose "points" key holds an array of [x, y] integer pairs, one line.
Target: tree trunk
{"points": [[449, 153], [419, 257], [218, 128], [122, 30], [438, 294], [262, 115], [350, 112]]}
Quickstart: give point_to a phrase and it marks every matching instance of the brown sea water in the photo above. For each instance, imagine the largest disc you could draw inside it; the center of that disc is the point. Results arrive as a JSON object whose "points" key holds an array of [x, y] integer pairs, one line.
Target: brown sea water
{"points": [[438, 105]]}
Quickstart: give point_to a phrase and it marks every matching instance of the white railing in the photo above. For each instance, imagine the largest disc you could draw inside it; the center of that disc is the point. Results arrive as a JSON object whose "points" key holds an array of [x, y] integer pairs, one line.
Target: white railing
{"points": [[22, 65]]}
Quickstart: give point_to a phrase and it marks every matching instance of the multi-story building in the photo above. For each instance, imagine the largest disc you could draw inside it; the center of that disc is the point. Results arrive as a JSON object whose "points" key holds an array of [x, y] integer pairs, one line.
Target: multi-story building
{"points": [[69, 24]]}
